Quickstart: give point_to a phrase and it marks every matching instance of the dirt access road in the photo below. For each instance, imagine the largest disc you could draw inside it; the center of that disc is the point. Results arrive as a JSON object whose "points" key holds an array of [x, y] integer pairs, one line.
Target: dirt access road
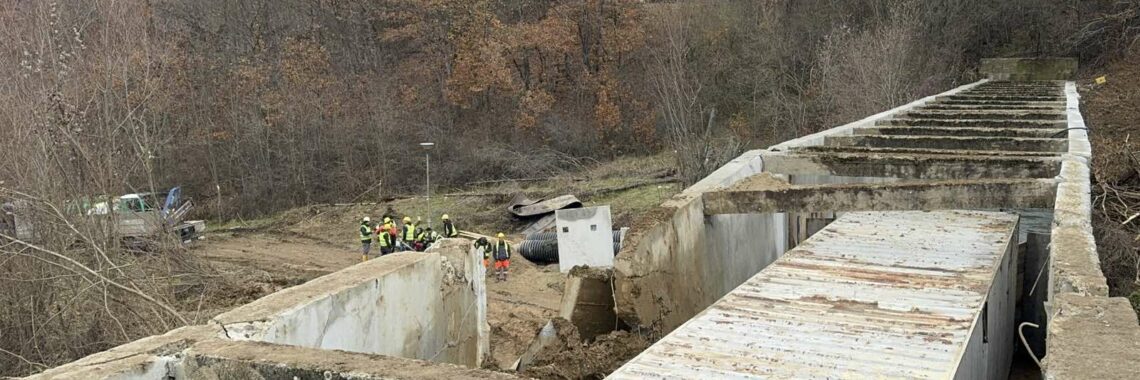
{"points": [[260, 263]]}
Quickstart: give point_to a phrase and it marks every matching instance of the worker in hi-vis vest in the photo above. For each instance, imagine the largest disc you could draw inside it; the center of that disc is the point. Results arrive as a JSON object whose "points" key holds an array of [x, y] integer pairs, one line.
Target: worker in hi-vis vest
{"points": [[408, 233], [384, 237], [365, 238], [449, 230], [502, 253]]}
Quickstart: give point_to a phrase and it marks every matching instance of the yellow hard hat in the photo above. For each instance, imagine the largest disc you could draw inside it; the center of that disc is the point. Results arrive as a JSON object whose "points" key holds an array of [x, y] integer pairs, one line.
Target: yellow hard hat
{"points": [[387, 220], [407, 219], [445, 217], [501, 235]]}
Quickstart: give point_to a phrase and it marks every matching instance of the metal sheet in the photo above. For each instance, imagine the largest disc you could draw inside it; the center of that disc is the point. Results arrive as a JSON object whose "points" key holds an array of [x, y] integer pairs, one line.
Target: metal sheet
{"points": [[872, 295], [522, 206]]}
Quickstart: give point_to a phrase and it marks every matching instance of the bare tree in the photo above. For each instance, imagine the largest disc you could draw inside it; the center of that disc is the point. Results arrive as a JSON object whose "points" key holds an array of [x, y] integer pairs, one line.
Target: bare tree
{"points": [[698, 145]]}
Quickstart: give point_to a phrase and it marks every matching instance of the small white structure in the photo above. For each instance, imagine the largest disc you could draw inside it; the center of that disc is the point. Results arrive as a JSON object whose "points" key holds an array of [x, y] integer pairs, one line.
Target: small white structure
{"points": [[585, 237]]}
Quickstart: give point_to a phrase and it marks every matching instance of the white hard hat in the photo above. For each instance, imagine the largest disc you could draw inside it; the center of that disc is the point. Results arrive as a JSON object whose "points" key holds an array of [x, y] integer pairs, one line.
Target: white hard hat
{"points": [[367, 219]]}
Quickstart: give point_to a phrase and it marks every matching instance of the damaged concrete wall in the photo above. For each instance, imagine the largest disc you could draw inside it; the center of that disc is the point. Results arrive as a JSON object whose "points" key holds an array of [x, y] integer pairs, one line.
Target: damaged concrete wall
{"points": [[412, 305], [464, 293], [680, 262], [429, 306]]}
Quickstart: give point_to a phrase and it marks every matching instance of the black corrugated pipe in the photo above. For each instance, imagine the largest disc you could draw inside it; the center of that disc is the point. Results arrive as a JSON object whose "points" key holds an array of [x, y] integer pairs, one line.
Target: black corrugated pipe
{"points": [[554, 236], [540, 251], [546, 251]]}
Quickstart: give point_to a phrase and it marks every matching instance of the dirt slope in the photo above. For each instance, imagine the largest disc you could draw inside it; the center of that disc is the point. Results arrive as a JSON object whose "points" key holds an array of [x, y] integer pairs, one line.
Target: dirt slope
{"points": [[1112, 112]]}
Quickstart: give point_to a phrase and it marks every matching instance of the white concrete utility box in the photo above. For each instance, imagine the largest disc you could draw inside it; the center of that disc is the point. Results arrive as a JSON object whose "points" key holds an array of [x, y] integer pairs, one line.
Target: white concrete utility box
{"points": [[585, 237]]}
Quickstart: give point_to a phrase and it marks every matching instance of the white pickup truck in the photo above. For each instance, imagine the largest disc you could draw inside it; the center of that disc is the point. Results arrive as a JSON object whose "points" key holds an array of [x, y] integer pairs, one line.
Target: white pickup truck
{"points": [[139, 217]]}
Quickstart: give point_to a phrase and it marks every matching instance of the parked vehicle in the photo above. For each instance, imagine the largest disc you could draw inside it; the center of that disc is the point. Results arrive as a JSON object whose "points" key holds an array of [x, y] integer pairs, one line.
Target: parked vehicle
{"points": [[138, 217]]}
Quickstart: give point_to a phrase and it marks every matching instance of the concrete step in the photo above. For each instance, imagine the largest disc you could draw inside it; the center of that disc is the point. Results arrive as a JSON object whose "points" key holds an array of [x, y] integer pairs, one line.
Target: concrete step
{"points": [[1016, 91], [983, 107], [1019, 144], [983, 114], [961, 131], [1058, 84], [1018, 97], [998, 103], [976, 123], [896, 151]]}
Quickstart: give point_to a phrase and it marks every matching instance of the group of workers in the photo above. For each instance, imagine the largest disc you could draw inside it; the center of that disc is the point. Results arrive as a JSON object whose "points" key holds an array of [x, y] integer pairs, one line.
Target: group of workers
{"points": [[409, 236]]}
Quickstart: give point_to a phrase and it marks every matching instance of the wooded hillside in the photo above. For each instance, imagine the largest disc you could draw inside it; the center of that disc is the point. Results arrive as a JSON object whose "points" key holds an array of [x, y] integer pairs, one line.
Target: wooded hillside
{"points": [[260, 105]]}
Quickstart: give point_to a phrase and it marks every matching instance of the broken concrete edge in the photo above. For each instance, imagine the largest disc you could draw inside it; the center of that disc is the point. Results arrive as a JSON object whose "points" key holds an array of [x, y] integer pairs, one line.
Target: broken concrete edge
{"points": [[470, 277], [848, 129], [271, 361], [547, 335], [198, 352], [136, 359], [638, 262], [1090, 335]]}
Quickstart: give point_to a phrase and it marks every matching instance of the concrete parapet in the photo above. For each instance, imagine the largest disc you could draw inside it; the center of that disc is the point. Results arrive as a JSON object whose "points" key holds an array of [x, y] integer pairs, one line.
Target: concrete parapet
{"points": [[1092, 337], [847, 129], [1029, 68]]}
